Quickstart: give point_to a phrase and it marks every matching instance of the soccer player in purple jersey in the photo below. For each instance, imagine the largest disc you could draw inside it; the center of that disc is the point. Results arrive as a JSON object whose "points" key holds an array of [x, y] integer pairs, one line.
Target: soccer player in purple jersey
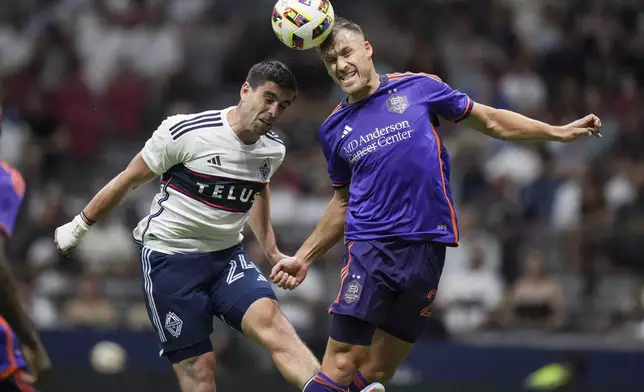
{"points": [[18, 368], [392, 203]]}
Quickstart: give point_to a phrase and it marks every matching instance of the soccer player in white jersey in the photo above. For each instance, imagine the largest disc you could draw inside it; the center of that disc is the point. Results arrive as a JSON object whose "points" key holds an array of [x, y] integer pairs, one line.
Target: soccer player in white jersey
{"points": [[215, 168]]}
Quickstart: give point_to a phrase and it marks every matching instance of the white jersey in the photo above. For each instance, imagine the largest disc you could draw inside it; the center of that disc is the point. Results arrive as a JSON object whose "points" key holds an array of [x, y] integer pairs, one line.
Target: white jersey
{"points": [[209, 181]]}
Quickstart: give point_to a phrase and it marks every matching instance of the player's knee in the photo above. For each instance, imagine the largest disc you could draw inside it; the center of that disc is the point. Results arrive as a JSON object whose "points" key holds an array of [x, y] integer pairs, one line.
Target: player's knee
{"points": [[347, 358], [265, 323], [197, 372]]}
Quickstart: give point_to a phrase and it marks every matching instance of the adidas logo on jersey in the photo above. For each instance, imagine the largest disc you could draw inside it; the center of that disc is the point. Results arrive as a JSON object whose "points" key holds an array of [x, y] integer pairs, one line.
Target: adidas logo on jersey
{"points": [[346, 131], [215, 161]]}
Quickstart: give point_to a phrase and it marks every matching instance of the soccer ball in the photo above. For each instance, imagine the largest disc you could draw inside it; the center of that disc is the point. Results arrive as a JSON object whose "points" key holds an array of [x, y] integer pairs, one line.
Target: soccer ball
{"points": [[108, 357], [302, 24]]}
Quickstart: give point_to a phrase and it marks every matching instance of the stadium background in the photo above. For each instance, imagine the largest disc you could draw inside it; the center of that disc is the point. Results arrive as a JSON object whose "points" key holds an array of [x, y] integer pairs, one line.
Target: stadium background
{"points": [[84, 83]]}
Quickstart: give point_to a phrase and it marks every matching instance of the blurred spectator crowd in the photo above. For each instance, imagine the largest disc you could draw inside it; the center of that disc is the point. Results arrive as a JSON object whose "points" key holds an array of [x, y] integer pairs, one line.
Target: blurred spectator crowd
{"points": [[552, 234]]}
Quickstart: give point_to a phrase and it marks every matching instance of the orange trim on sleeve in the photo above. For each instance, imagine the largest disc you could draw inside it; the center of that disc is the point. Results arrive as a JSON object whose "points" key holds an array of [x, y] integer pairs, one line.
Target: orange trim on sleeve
{"points": [[468, 107], [17, 182], [338, 185], [449, 203], [11, 354]]}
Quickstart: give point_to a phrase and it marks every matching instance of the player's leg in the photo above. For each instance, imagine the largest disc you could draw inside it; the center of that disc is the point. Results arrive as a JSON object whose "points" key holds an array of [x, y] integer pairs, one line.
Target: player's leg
{"points": [[404, 324], [179, 311], [246, 301], [387, 352], [364, 299], [196, 374], [265, 323]]}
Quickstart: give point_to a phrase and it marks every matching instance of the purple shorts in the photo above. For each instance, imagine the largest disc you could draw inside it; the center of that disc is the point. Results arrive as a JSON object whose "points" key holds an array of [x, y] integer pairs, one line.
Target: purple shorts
{"points": [[390, 284]]}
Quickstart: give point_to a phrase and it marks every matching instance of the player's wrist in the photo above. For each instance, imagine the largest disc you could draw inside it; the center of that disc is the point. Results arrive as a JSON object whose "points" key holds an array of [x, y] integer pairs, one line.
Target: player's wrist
{"points": [[555, 133], [80, 226], [274, 255]]}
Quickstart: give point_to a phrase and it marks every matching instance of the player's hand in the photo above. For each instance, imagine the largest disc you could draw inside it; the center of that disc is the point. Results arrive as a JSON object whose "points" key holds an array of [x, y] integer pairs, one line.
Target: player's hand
{"points": [[69, 235], [289, 273], [588, 126]]}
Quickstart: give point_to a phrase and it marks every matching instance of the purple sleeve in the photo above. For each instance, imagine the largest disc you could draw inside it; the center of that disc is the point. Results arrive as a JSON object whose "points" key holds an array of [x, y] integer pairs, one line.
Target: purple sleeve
{"points": [[339, 170], [448, 103], [11, 194]]}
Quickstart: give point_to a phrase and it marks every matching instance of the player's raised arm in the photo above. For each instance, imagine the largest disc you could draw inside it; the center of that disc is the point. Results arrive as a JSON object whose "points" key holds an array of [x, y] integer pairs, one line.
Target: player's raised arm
{"points": [[508, 125], [456, 106], [329, 230], [159, 154], [260, 222], [290, 272]]}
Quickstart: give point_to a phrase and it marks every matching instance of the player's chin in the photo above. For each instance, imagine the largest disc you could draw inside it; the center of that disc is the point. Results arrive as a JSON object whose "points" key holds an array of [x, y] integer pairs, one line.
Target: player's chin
{"points": [[263, 128]]}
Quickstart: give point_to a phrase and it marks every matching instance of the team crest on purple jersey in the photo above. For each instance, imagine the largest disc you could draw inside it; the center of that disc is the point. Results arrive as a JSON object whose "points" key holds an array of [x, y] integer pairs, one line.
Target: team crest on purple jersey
{"points": [[397, 103], [352, 294]]}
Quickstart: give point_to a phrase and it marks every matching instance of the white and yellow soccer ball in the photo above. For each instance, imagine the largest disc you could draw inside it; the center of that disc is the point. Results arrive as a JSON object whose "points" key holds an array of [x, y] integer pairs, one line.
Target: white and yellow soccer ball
{"points": [[302, 24]]}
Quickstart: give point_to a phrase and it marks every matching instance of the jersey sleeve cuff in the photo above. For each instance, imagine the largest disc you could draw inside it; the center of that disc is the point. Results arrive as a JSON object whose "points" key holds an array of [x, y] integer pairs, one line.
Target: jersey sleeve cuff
{"points": [[339, 185], [466, 112], [152, 165]]}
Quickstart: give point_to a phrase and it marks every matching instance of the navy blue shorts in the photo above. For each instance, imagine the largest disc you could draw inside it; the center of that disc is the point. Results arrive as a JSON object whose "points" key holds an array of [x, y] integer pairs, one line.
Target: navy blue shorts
{"points": [[184, 291]]}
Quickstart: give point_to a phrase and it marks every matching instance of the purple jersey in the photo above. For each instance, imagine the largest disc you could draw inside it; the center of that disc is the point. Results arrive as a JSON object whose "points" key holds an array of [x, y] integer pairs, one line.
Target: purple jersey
{"points": [[11, 358], [12, 190], [386, 148]]}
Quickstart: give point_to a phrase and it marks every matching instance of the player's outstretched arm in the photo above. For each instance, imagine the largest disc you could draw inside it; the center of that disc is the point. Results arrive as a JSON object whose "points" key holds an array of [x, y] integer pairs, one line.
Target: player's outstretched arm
{"points": [[329, 230], [260, 222], [290, 272], [136, 174], [511, 126], [13, 312]]}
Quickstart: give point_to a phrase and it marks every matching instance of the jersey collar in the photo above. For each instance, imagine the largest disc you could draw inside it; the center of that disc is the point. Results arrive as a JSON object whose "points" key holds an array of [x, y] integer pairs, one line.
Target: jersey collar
{"points": [[384, 80]]}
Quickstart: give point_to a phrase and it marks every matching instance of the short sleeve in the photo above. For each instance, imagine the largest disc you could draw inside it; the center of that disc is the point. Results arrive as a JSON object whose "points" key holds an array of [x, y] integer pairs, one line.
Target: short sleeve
{"points": [[162, 151], [338, 168], [445, 101], [12, 189]]}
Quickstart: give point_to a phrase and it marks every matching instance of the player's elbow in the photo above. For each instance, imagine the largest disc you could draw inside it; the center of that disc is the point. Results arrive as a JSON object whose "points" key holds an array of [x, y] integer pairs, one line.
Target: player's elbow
{"points": [[493, 126], [485, 119]]}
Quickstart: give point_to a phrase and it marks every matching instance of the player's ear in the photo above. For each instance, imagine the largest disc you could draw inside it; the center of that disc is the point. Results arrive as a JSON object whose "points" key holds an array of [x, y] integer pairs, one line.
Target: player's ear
{"points": [[368, 48], [245, 90]]}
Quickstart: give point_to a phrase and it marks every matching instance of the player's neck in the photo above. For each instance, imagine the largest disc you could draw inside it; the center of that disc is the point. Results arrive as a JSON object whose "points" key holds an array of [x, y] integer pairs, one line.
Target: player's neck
{"points": [[244, 135], [369, 88]]}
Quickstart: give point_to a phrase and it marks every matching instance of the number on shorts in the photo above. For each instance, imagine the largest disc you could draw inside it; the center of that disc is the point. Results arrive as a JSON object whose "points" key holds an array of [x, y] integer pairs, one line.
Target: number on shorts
{"points": [[244, 265], [427, 310]]}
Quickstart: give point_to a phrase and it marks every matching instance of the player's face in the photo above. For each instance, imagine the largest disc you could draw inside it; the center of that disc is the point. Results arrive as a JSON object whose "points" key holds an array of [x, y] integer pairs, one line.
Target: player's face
{"points": [[263, 105], [349, 62]]}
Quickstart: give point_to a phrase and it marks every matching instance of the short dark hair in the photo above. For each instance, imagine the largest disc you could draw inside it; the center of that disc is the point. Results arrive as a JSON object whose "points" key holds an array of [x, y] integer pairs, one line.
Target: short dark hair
{"points": [[272, 71], [339, 25]]}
